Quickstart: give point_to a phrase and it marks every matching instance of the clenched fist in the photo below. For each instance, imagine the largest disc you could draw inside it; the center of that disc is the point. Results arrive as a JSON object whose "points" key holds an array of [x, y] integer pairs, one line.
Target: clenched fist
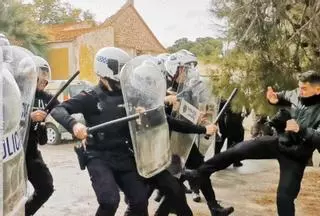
{"points": [[292, 126], [80, 131], [38, 115], [170, 99], [211, 129]]}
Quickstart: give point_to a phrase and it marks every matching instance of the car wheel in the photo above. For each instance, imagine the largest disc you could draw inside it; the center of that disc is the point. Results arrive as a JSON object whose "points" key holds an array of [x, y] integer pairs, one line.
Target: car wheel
{"points": [[53, 134]]}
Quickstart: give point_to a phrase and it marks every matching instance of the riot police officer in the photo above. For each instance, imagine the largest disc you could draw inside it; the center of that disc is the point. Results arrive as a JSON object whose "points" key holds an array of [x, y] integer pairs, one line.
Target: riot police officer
{"points": [[110, 163], [38, 172], [177, 66]]}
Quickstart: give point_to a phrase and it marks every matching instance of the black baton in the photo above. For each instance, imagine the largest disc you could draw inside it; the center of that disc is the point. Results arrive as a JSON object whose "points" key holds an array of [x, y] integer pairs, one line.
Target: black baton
{"points": [[116, 121], [61, 90], [234, 92]]}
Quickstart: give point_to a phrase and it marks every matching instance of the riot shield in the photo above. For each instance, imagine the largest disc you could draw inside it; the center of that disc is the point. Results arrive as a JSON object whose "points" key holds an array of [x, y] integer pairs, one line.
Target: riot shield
{"points": [[144, 87], [1, 130], [186, 110], [209, 109], [195, 98], [12, 108], [23, 69]]}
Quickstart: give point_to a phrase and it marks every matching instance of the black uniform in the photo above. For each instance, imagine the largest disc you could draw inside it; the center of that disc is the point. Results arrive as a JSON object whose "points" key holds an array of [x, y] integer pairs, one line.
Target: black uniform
{"points": [[195, 159], [111, 163], [168, 185], [292, 150], [231, 128], [38, 173]]}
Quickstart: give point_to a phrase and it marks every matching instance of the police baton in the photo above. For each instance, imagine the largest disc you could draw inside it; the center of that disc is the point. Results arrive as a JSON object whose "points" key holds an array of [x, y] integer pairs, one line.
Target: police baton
{"points": [[234, 92], [113, 122], [57, 95], [61, 90]]}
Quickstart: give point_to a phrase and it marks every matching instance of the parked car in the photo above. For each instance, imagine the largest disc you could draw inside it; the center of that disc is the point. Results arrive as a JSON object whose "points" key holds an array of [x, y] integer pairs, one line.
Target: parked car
{"points": [[55, 132]]}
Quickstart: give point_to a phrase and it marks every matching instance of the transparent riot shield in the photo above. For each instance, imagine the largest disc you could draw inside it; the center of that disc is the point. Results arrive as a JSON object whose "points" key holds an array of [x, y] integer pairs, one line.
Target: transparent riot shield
{"points": [[186, 110], [1, 130], [195, 99], [23, 69], [12, 99], [143, 88], [209, 109]]}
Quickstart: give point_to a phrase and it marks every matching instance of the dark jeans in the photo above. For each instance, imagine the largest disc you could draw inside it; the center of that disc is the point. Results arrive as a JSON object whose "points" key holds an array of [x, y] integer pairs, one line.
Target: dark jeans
{"points": [[173, 191], [106, 183], [266, 147], [41, 179], [195, 160]]}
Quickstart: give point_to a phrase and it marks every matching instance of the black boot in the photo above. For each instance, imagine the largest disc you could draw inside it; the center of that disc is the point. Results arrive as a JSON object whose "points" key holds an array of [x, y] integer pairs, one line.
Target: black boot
{"points": [[217, 210]]}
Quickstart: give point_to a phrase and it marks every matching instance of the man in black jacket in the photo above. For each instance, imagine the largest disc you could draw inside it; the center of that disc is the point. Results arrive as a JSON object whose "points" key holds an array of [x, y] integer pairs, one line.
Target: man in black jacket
{"points": [[298, 136], [38, 172]]}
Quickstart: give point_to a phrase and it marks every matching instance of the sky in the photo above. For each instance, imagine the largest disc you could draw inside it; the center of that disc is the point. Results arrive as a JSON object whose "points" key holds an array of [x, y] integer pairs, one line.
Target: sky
{"points": [[168, 19]]}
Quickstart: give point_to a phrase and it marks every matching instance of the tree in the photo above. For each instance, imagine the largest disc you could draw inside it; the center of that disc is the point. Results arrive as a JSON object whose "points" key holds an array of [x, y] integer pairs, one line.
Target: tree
{"points": [[182, 43], [20, 28], [57, 12], [207, 49], [275, 41]]}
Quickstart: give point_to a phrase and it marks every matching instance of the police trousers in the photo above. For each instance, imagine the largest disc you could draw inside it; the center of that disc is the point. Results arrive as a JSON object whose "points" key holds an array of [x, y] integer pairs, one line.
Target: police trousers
{"points": [[175, 198], [106, 183]]}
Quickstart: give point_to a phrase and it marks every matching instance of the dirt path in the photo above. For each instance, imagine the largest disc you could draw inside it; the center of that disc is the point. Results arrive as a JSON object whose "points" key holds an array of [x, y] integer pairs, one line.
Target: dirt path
{"points": [[251, 189]]}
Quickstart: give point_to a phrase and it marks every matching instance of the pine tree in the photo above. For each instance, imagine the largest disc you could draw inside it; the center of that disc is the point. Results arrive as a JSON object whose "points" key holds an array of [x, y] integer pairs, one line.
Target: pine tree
{"points": [[275, 41]]}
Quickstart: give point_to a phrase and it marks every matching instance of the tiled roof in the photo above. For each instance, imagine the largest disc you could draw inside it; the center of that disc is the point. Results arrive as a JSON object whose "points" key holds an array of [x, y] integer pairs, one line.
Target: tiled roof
{"points": [[112, 20], [67, 32], [70, 31]]}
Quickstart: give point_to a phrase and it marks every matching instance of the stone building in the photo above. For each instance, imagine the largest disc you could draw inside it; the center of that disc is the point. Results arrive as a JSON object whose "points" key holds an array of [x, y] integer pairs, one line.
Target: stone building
{"points": [[72, 46]]}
